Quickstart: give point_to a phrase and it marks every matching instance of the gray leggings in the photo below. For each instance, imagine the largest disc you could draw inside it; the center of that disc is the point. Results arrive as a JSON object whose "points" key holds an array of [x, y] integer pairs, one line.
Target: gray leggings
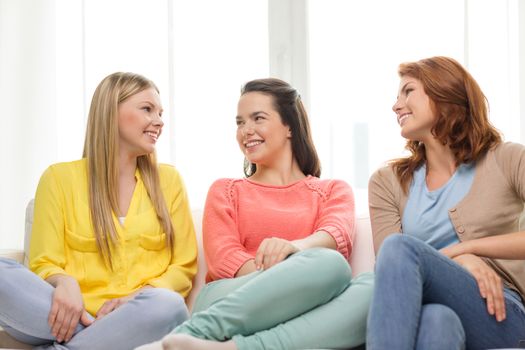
{"points": [[25, 302]]}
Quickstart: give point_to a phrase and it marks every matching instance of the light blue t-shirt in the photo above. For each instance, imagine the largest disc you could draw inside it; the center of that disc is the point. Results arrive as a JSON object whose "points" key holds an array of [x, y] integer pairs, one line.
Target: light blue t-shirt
{"points": [[426, 212]]}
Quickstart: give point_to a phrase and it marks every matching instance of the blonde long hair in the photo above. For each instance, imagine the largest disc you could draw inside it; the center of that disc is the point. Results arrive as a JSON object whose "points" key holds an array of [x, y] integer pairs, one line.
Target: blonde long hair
{"points": [[101, 148]]}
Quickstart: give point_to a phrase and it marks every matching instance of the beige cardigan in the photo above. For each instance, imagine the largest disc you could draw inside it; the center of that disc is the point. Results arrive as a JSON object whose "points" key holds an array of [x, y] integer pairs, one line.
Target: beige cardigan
{"points": [[493, 205]]}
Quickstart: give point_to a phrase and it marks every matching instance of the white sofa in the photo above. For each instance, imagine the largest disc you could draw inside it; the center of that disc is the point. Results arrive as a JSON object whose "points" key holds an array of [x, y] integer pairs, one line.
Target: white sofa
{"points": [[362, 260]]}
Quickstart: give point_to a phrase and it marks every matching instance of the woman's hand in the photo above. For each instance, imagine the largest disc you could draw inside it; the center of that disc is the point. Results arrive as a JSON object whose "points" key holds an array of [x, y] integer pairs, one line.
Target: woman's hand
{"points": [[113, 304], [489, 283], [273, 251], [454, 250], [67, 308]]}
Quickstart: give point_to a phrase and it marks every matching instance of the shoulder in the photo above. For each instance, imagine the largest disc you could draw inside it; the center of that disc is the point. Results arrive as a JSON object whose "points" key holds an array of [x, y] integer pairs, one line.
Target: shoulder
{"points": [[328, 187], [506, 157], [76, 165], [167, 169], [508, 150], [168, 172], [64, 178], [383, 176], [226, 183], [225, 187], [384, 172], [170, 180], [67, 171], [384, 184]]}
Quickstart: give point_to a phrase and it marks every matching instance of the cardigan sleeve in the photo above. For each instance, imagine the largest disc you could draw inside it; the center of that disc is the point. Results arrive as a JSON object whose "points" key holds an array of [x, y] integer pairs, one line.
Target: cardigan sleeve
{"points": [[183, 266], [385, 214], [46, 253], [225, 254], [337, 216]]}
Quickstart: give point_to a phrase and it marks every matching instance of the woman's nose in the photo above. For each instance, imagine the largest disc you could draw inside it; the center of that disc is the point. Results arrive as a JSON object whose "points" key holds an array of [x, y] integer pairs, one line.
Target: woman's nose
{"points": [[157, 120], [396, 106], [247, 130]]}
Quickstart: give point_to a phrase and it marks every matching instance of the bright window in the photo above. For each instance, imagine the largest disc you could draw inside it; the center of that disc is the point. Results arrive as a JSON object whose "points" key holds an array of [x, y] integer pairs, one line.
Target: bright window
{"points": [[199, 53], [355, 49], [218, 46], [343, 58]]}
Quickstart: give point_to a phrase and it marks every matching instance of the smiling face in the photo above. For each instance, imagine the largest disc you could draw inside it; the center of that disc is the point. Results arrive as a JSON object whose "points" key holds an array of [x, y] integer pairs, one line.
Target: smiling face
{"points": [[263, 138], [413, 110], [139, 123]]}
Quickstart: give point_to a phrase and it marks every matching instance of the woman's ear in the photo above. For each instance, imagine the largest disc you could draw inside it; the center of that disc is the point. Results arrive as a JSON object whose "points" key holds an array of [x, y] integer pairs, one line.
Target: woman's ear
{"points": [[289, 134]]}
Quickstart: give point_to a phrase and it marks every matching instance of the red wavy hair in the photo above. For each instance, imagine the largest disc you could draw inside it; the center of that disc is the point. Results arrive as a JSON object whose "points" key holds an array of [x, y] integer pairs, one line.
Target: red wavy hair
{"points": [[461, 111]]}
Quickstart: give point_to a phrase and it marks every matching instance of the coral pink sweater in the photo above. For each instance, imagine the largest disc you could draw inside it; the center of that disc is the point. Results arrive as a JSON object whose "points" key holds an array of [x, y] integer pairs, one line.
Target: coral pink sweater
{"points": [[240, 213]]}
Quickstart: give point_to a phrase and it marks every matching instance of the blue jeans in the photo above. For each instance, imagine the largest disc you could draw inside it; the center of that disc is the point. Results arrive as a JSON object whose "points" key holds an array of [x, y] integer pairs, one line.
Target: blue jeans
{"points": [[25, 302], [424, 300]]}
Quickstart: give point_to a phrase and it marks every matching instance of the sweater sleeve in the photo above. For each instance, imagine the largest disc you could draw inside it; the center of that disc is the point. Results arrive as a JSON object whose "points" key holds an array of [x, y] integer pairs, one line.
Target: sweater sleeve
{"points": [[179, 274], [225, 254], [385, 215], [46, 253], [337, 216]]}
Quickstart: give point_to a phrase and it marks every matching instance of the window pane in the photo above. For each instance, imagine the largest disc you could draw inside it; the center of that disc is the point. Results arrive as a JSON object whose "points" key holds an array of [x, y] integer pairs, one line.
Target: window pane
{"points": [[128, 36], [199, 53], [213, 56], [355, 48], [493, 60]]}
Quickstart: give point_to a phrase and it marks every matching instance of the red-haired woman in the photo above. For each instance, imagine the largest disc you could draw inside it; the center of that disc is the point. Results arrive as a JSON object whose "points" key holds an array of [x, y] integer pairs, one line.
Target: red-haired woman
{"points": [[450, 270]]}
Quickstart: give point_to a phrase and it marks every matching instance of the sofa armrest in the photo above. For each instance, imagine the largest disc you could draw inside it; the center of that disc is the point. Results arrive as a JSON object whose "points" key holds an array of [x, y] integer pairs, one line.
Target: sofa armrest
{"points": [[363, 256], [15, 254], [199, 280]]}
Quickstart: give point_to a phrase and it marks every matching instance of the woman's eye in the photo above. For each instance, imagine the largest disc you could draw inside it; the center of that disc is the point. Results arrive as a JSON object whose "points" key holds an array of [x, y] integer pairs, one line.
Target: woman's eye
{"points": [[257, 118], [147, 108], [239, 122], [408, 91]]}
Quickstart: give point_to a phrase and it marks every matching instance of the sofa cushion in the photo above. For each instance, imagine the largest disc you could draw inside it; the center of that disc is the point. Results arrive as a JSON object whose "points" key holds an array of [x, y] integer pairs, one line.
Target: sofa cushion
{"points": [[361, 260]]}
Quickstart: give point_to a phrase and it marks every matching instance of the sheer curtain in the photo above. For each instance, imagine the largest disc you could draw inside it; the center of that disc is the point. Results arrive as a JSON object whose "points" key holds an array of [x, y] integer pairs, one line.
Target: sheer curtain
{"points": [[354, 78], [54, 53], [217, 47], [341, 55]]}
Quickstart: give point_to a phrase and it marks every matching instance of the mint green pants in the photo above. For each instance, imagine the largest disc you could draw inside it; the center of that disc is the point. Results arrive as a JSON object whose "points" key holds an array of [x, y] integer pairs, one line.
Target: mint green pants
{"points": [[308, 301]]}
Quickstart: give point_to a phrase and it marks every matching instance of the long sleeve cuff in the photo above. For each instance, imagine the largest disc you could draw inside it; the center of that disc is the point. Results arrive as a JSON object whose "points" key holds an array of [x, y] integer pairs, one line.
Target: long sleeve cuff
{"points": [[232, 264], [342, 241], [45, 272]]}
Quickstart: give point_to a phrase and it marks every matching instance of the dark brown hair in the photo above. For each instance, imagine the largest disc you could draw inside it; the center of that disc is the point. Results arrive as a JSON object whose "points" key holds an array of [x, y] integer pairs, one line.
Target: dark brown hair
{"points": [[288, 104], [461, 111]]}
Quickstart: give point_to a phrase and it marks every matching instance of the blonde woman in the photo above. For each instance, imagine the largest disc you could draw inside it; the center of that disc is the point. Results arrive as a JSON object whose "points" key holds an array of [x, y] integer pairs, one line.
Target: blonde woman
{"points": [[113, 248]]}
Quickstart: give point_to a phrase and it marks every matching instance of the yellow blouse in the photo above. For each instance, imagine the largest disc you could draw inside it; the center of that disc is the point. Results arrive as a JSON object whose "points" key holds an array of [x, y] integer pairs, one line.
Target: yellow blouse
{"points": [[62, 239]]}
